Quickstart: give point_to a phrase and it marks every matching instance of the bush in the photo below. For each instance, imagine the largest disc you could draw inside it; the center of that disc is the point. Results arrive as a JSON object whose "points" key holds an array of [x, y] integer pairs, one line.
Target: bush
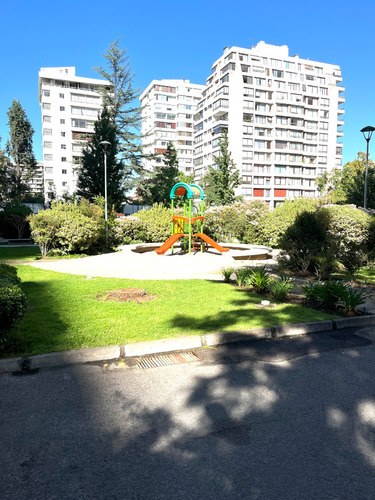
{"points": [[335, 293], [260, 279], [156, 222], [324, 263], [129, 229], [233, 222], [243, 276], [274, 224], [67, 227], [227, 273], [12, 304], [350, 233], [302, 241], [280, 288], [9, 273]]}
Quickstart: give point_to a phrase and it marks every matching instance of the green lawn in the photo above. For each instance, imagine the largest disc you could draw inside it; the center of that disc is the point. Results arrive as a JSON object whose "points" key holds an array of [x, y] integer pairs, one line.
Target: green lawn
{"points": [[363, 275], [17, 254], [64, 311]]}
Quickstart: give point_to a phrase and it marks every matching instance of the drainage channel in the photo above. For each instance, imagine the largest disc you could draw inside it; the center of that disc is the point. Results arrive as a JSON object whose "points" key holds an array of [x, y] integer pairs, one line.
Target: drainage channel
{"points": [[175, 358]]}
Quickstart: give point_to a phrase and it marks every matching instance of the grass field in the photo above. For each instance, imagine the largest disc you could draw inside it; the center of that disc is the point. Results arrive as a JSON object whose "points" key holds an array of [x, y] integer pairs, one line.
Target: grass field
{"points": [[19, 253], [64, 311]]}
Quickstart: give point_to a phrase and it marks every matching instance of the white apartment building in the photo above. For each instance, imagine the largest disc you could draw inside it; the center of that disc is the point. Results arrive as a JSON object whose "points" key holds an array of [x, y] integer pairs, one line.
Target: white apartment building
{"points": [[168, 108], [284, 117], [70, 106]]}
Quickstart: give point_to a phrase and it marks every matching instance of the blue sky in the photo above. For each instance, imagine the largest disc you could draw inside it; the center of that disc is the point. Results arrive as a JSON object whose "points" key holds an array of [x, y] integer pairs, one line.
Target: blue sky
{"points": [[182, 40]]}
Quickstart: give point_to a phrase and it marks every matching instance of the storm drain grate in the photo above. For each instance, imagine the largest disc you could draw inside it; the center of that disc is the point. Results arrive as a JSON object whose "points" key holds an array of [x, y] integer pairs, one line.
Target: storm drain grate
{"points": [[175, 358]]}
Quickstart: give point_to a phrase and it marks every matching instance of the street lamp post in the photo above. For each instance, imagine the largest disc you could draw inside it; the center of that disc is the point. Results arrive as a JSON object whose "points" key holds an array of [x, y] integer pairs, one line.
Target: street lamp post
{"points": [[105, 145], [367, 133]]}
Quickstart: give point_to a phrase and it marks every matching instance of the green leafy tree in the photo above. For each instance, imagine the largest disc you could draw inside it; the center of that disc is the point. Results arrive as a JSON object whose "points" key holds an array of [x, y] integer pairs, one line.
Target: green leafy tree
{"points": [[157, 187], [348, 185], [90, 182], [20, 149], [220, 183], [121, 99]]}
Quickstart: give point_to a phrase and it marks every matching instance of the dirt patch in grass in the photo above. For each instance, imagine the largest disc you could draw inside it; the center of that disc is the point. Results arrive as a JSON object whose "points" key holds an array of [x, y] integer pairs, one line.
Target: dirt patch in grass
{"points": [[127, 295]]}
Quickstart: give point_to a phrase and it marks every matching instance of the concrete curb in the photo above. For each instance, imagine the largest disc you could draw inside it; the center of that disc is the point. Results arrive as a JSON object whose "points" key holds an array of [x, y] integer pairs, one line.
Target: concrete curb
{"points": [[108, 353]]}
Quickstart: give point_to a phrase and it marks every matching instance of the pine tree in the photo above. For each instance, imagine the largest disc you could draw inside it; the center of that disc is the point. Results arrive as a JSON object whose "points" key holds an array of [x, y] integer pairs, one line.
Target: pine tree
{"points": [[220, 183], [90, 182], [121, 99], [20, 148], [157, 187]]}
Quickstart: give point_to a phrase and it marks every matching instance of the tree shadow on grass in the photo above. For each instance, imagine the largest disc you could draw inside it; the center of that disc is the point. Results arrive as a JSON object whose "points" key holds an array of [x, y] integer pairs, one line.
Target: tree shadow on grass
{"points": [[42, 315], [257, 316]]}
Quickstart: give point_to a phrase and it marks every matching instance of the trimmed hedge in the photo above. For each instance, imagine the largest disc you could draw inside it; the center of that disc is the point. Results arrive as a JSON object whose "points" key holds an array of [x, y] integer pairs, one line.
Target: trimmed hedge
{"points": [[12, 299]]}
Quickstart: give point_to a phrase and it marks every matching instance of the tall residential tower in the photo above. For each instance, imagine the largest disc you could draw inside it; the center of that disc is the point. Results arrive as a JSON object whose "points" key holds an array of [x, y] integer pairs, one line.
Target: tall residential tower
{"points": [[167, 116], [284, 117], [70, 106]]}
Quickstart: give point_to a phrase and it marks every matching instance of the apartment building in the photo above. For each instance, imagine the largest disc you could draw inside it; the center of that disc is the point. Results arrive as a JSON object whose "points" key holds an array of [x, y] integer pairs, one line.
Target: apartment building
{"points": [[69, 106], [284, 117], [168, 108]]}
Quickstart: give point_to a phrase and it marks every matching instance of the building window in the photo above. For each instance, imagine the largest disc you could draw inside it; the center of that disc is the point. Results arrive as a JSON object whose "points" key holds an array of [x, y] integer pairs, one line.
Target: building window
{"points": [[62, 134], [258, 193], [46, 119], [64, 184], [63, 159], [62, 121], [63, 146], [62, 108], [46, 93], [47, 144], [64, 171], [61, 96], [47, 131], [48, 157]]}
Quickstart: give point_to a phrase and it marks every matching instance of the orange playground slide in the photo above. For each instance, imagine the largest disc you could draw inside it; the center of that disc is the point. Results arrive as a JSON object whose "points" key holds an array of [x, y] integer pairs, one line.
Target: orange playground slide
{"points": [[211, 242], [170, 241]]}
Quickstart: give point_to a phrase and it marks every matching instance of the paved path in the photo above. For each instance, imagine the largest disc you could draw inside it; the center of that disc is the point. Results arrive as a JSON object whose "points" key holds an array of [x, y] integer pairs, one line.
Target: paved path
{"points": [[293, 421], [149, 265]]}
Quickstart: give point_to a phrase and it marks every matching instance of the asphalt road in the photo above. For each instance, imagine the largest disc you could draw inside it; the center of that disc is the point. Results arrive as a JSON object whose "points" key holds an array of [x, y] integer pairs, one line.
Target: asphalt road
{"points": [[287, 419]]}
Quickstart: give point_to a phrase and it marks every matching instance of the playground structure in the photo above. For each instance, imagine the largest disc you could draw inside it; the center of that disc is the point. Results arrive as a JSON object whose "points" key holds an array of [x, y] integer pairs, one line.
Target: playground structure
{"points": [[186, 228]]}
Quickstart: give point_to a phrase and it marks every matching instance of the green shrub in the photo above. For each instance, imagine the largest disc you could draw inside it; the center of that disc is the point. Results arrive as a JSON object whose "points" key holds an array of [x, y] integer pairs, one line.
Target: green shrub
{"points": [[233, 222], [260, 279], [350, 234], [227, 273], [280, 288], [243, 276], [324, 263], [334, 293], [10, 273], [274, 224], [66, 227], [156, 222], [12, 304], [302, 241], [129, 229], [350, 298]]}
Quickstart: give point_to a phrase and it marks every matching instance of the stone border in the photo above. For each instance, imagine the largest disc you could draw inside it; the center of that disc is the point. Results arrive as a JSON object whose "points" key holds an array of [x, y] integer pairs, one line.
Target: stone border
{"points": [[109, 353]]}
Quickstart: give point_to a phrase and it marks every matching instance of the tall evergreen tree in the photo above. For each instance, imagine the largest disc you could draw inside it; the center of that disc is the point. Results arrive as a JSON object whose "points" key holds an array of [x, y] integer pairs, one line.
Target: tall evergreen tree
{"points": [[121, 99], [220, 183], [20, 149], [91, 172], [157, 187]]}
